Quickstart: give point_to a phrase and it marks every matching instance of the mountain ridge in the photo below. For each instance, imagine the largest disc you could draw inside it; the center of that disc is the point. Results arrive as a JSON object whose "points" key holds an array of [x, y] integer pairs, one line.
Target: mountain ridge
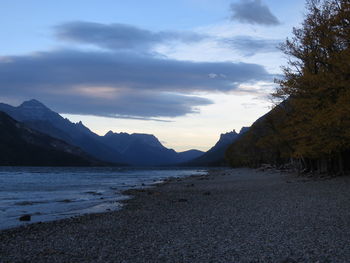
{"points": [[23, 146], [120, 148], [146, 149], [39, 117], [215, 156]]}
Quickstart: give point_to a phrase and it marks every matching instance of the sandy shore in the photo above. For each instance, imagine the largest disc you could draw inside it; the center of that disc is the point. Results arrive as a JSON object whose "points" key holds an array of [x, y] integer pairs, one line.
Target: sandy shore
{"points": [[236, 215]]}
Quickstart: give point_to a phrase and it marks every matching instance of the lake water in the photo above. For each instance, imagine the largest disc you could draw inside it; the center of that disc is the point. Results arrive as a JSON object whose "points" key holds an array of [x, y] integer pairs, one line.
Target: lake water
{"points": [[55, 193]]}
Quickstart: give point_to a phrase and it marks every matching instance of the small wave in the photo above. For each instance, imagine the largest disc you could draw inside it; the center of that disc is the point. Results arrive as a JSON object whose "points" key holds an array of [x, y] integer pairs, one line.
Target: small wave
{"points": [[93, 193], [28, 203], [65, 201]]}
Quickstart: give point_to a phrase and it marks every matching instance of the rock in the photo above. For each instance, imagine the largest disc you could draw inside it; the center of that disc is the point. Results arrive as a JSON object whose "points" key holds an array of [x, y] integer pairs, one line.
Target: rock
{"points": [[153, 193], [182, 200], [25, 218], [65, 201], [206, 193]]}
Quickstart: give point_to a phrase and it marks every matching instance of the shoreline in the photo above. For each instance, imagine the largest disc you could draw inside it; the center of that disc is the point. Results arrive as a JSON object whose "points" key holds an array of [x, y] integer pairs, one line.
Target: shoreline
{"points": [[229, 215], [97, 196], [127, 195]]}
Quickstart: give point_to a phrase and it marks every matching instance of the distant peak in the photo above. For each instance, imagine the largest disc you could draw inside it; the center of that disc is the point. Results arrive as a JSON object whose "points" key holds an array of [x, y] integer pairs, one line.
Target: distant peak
{"points": [[143, 135], [33, 103], [229, 133], [80, 123], [244, 130], [109, 133], [229, 136]]}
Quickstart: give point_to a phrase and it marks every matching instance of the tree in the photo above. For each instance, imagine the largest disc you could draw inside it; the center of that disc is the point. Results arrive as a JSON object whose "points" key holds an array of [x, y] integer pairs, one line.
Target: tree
{"points": [[316, 83]]}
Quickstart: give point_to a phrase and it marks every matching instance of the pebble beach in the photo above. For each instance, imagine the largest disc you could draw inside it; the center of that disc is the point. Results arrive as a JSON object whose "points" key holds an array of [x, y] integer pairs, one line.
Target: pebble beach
{"points": [[232, 215]]}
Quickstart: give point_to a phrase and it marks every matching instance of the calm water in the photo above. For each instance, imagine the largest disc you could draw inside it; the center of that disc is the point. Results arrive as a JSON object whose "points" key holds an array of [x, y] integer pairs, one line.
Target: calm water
{"points": [[54, 193]]}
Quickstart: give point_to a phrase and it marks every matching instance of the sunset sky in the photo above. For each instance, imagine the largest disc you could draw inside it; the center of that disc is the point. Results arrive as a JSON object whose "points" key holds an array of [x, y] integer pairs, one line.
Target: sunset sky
{"points": [[183, 70]]}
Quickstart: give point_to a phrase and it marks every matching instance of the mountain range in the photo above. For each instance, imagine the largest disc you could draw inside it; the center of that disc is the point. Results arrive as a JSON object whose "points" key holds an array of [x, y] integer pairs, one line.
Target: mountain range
{"points": [[38, 117], [117, 148], [146, 149], [22, 146]]}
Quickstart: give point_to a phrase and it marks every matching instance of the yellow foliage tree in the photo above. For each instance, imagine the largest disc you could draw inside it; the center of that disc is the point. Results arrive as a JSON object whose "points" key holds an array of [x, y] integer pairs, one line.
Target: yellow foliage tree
{"points": [[317, 84]]}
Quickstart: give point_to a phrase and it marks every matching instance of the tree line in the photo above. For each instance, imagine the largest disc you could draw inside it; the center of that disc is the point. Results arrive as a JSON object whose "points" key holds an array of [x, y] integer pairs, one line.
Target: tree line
{"points": [[310, 126]]}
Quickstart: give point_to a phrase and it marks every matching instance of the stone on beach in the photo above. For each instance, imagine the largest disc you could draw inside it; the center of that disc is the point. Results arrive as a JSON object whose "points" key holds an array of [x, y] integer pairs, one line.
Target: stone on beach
{"points": [[250, 216], [25, 218]]}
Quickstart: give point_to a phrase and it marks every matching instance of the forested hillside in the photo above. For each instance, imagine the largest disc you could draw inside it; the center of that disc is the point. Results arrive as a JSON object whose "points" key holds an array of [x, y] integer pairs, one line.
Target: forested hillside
{"points": [[311, 127]]}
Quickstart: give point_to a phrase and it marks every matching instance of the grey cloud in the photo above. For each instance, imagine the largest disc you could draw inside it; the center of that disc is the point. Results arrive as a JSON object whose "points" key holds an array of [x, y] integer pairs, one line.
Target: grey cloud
{"points": [[119, 36], [122, 37], [249, 46], [253, 12], [72, 68], [141, 105], [119, 84]]}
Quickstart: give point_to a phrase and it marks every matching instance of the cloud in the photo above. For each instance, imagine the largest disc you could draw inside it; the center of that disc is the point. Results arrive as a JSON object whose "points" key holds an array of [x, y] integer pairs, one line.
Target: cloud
{"points": [[142, 105], [119, 36], [253, 12], [126, 78], [120, 84], [249, 46]]}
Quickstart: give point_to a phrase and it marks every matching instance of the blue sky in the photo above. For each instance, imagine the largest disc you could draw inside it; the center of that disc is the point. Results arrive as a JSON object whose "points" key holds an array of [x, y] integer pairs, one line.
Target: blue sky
{"points": [[184, 70], [32, 19]]}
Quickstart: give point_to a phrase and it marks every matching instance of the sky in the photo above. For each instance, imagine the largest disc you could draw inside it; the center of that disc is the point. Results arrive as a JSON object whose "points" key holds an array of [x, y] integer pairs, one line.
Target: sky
{"points": [[183, 70]]}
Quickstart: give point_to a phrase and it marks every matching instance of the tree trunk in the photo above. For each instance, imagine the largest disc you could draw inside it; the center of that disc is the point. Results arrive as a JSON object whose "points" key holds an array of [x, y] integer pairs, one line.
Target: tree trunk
{"points": [[340, 164]]}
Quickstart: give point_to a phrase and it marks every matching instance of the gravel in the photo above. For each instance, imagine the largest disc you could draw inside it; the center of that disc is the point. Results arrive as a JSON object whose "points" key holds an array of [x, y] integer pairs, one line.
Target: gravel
{"points": [[238, 215]]}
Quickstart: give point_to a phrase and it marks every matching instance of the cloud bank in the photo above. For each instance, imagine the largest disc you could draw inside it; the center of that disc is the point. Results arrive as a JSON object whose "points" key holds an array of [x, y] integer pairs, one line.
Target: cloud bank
{"points": [[253, 12], [112, 84], [125, 79], [119, 36], [249, 46]]}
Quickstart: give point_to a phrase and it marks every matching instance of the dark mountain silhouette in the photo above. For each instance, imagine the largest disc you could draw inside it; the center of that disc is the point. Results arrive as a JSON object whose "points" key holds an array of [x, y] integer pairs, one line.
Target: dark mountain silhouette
{"points": [[120, 148], [216, 155], [37, 116], [264, 143], [22, 146], [189, 155], [145, 149]]}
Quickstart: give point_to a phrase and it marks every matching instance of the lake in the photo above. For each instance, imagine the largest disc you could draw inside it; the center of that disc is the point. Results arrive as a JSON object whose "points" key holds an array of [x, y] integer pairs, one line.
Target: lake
{"points": [[51, 193]]}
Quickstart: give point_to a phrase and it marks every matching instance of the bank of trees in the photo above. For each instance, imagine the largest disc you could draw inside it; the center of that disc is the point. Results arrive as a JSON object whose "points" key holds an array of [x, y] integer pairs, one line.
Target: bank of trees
{"points": [[312, 126]]}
